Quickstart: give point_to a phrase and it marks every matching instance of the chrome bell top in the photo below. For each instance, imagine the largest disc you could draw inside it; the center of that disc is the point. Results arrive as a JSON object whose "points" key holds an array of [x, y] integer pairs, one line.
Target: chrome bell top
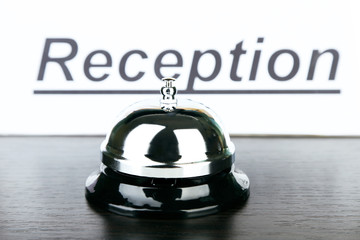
{"points": [[168, 138]]}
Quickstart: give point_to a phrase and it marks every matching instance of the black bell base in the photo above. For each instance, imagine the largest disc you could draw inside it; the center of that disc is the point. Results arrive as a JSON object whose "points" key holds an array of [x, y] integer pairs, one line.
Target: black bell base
{"points": [[166, 198]]}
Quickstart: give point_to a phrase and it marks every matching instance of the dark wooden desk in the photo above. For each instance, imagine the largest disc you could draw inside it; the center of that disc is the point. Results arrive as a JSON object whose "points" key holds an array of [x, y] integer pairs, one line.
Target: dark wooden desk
{"points": [[300, 189]]}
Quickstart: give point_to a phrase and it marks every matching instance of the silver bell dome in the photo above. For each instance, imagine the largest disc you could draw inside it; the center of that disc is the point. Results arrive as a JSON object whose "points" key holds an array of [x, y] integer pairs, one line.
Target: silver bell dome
{"points": [[168, 138]]}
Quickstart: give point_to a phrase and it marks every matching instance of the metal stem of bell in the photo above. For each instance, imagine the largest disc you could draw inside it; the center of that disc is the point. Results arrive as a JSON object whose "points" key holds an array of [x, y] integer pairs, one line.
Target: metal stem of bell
{"points": [[168, 101]]}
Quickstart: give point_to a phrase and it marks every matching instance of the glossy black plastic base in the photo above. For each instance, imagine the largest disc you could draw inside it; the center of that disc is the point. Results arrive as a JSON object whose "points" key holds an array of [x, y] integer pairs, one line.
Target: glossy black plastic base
{"points": [[171, 198]]}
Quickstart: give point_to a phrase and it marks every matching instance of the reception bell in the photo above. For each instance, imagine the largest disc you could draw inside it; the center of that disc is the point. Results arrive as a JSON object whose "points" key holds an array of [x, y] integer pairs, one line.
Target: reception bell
{"points": [[167, 157]]}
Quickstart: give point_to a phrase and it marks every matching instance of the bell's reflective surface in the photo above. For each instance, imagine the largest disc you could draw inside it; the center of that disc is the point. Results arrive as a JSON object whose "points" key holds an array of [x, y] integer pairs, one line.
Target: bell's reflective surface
{"points": [[149, 142], [167, 157]]}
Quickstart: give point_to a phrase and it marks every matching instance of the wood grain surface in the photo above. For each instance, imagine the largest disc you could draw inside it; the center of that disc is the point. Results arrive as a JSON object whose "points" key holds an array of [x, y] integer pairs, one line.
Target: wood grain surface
{"points": [[305, 188]]}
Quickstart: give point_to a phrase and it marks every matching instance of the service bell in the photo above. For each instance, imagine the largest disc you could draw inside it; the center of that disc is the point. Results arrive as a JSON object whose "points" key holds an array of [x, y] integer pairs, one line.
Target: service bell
{"points": [[167, 157]]}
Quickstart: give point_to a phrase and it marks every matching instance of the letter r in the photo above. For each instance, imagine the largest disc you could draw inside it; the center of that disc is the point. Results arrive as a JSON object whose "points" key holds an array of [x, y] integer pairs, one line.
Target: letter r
{"points": [[61, 60]]}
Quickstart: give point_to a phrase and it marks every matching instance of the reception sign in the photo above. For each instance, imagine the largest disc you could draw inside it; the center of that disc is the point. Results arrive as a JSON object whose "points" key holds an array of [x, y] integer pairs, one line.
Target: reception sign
{"points": [[266, 67]]}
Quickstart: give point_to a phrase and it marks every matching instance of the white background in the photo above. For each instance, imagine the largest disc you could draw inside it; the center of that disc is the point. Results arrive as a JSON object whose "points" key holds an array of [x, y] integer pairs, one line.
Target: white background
{"points": [[185, 26]]}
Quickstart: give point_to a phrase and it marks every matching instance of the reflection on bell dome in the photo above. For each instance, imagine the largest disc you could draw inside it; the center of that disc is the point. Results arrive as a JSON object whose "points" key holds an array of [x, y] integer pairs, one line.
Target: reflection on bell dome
{"points": [[164, 147]]}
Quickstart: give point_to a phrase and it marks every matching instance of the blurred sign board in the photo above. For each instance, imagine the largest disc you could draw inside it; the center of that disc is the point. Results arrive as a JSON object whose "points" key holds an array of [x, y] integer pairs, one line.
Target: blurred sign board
{"points": [[266, 67]]}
